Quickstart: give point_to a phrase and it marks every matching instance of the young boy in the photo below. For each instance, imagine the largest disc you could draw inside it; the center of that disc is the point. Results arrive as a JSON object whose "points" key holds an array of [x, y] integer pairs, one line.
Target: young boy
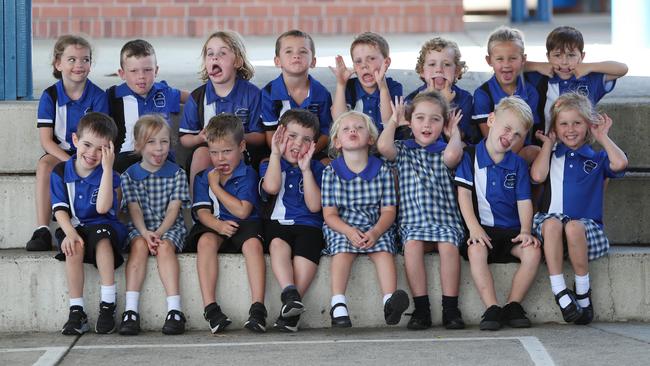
{"points": [[294, 231], [295, 88], [495, 200], [84, 202], [371, 92], [565, 72], [225, 211], [137, 96]]}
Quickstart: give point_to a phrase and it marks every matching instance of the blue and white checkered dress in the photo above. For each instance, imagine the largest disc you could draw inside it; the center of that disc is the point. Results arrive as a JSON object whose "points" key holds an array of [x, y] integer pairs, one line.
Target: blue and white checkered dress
{"points": [[358, 198], [153, 192], [428, 210]]}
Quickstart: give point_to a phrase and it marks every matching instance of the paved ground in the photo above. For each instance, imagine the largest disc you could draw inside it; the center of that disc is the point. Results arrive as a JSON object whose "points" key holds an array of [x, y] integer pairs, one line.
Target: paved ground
{"points": [[550, 344]]}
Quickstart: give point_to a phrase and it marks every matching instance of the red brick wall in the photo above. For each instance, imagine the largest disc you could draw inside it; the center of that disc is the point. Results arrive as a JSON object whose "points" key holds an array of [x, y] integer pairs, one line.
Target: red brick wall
{"points": [[196, 18]]}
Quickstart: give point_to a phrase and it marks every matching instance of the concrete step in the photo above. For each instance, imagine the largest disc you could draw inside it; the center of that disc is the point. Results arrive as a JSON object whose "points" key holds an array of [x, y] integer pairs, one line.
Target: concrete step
{"points": [[34, 287]]}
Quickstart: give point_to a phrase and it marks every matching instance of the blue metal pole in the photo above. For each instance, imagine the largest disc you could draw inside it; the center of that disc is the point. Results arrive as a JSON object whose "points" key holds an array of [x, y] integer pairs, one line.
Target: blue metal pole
{"points": [[24, 49], [9, 49], [544, 10], [518, 11]]}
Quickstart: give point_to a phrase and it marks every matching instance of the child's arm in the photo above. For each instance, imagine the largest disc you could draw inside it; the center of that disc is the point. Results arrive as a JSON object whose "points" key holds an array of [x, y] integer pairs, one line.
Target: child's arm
{"points": [[46, 137], [105, 194], [387, 216], [239, 208], [384, 93], [454, 151], [191, 133], [617, 159], [477, 234], [612, 69], [525, 209], [137, 218], [541, 165], [71, 235], [227, 228], [310, 186], [185, 95], [386, 141], [272, 182], [544, 68], [343, 74], [173, 209]]}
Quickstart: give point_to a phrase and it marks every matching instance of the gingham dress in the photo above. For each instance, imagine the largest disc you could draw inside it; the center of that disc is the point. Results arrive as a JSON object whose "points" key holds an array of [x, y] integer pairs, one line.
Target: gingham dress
{"points": [[597, 242], [428, 210], [153, 192], [358, 198]]}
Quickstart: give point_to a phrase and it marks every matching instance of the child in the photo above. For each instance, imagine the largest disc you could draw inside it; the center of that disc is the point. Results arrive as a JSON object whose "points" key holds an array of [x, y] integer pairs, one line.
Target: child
{"points": [[294, 231], [225, 211], [428, 212], [59, 110], [295, 88], [371, 91], [358, 197], [137, 96], [506, 56], [227, 72], [154, 191], [565, 72], [440, 67], [84, 203], [499, 215], [572, 207]]}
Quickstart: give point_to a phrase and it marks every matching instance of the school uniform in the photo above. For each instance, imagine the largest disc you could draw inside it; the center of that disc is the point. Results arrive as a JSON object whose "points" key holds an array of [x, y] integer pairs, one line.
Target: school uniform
{"points": [[574, 190], [496, 189], [428, 210], [357, 99], [290, 219], [153, 192], [358, 199], [78, 197], [57, 111]]}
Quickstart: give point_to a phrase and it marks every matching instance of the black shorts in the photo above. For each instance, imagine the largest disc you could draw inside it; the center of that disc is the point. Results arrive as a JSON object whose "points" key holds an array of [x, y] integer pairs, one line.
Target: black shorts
{"points": [[305, 241], [501, 245], [91, 235], [234, 244], [69, 152]]}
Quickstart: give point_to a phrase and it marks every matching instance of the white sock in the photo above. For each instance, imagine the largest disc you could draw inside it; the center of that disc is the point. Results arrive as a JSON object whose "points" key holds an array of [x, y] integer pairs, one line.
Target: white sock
{"points": [[108, 293], [386, 297], [558, 285], [174, 302], [42, 226], [341, 310], [132, 301], [79, 301], [582, 287]]}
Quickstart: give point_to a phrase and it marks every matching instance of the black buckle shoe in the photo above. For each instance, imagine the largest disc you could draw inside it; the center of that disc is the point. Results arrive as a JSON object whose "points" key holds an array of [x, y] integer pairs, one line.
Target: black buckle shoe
{"points": [[395, 306], [174, 323], [130, 323], [571, 312], [587, 312], [340, 321]]}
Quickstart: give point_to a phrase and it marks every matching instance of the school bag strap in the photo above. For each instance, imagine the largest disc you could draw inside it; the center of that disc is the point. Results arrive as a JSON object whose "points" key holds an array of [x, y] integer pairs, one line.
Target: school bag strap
{"points": [[198, 95], [116, 110]]}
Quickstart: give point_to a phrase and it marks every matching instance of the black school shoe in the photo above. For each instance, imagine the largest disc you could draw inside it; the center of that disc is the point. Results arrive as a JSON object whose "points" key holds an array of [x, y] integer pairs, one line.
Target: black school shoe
{"points": [[174, 323], [130, 323], [291, 304], [491, 318], [588, 312], [106, 319], [452, 318], [513, 314], [257, 318], [571, 312], [340, 321], [420, 319], [218, 320], [77, 323], [41, 241], [289, 324], [395, 306]]}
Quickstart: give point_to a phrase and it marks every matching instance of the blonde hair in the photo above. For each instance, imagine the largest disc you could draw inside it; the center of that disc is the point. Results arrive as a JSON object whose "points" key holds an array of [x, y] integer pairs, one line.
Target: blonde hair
{"points": [[579, 103], [432, 97], [59, 47], [236, 44], [439, 44], [506, 34], [334, 131], [147, 126], [519, 107]]}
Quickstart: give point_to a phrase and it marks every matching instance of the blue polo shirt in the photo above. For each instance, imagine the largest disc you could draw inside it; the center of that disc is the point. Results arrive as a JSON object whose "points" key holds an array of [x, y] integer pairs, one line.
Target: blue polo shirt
{"points": [[576, 181], [244, 101], [276, 100], [242, 184], [358, 100], [78, 196], [63, 115], [462, 100], [290, 207], [497, 187], [161, 99]]}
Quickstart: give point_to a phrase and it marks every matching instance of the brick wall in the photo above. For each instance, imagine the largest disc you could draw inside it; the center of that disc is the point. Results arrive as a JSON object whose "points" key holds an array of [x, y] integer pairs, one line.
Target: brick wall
{"points": [[196, 18]]}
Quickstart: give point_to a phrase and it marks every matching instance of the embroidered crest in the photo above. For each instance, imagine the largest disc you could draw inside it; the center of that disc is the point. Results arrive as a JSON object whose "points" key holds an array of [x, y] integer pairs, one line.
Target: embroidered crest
{"points": [[159, 100], [93, 197], [243, 114], [301, 187], [589, 166], [314, 108], [510, 180]]}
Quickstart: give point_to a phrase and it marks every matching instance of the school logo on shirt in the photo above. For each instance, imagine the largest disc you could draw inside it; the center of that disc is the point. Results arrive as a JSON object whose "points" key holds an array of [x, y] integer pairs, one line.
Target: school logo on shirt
{"points": [[93, 197], [583, 89], [510, 180], [159, 100], [589, 166], [243, 114], [301, 187], [314, 108]]}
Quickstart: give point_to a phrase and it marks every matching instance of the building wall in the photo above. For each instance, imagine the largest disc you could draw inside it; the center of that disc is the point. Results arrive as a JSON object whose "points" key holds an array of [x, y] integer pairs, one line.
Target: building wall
{"points": [[196, 18]]}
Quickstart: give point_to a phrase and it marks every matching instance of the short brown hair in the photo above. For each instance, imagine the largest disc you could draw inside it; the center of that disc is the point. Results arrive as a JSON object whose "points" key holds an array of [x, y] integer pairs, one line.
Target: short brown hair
{"points": [[439, 44], [564, 38], [61, 43], [372, 39], [225, 125], [236, 44], [294, 33], [303, 118], [147, 126], [136, 48], [99, 124]]}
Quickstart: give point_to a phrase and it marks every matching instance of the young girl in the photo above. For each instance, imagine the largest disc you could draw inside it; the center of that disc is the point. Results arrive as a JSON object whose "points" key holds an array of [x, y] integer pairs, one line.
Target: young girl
{"points": [[155, 190], [358, 196], [428, 213], [226, 71], [59, 110], [572, 206], [440, 67]]}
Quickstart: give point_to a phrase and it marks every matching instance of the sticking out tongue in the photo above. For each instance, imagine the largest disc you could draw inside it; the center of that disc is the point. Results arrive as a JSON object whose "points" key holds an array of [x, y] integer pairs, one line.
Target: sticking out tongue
{"points": [[439, 82], [158, 159], [216, 69], [368, 78]]}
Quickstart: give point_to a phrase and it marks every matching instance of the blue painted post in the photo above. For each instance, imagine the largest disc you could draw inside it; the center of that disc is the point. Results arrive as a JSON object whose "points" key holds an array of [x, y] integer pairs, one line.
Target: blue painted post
{"points": [[518, 11], [2, 52], [544, 10], [16, 50], [24, 49], [630, 21], [9, 58]]}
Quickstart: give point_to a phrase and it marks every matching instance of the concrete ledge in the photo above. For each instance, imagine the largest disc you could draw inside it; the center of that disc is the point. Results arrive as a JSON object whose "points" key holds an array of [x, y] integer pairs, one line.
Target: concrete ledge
{"points": [[36, 296]]}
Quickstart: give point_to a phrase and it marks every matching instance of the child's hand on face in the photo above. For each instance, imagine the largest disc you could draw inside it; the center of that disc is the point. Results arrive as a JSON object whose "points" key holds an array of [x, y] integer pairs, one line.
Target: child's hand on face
{"points": [[547, 69], [546, 139], [279, 142], [580, 70], [304, 162], [214, 177], [108, 156], [380, 75], [341, 72], [478, 236], [227, 228], [69, 244], [526, 239], [600, 129], [399, 110]]}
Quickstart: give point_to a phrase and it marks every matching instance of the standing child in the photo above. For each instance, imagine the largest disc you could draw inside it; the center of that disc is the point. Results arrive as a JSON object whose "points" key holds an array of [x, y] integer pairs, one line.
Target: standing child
{"points": [[84, 203], [371, 91], [59, 110], [440, 67], [571, 213], [358, 196], [294, 231], [137, 96], [495, 200], [226, 218], [295, 54], [155, 190], [226, 71], [428, 213]]}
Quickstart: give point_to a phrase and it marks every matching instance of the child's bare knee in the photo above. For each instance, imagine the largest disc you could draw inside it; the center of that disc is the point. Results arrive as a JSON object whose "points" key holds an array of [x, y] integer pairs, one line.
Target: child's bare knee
{"points": [[551, 225], [575, 229], [166, 248], [477, 252]]}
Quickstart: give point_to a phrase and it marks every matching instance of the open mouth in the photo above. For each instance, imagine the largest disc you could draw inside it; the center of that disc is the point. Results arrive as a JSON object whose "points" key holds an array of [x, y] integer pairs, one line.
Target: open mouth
{"points": [[216, 71], [157, 159], [223, 167], [368, 78], [439, 82], [507, 75], [504, 143]]}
